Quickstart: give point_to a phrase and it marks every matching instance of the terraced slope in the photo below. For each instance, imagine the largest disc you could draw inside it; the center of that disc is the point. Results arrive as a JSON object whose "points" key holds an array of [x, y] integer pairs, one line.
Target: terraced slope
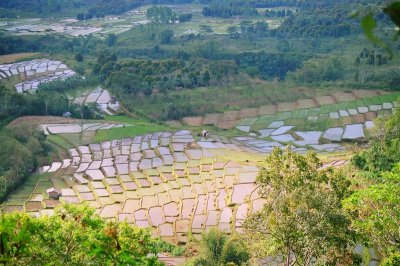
{"points": [[102, 98], [331, 110], [169, 181], [35, 72]]}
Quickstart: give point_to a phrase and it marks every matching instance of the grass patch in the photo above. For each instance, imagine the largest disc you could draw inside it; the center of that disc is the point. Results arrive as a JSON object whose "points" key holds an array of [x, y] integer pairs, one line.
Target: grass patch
{"points": [[368, 101], [74, 139], [298, 123], [347, 105], [247, 122], [259, 126], [16, 202], [25, 189], [11, 58], [359, 103], [283, 115], [265, 119], [325, 109], [314, 111], [125, 119], [59, 141], [119, 133], [300, 113], [391, 97]]}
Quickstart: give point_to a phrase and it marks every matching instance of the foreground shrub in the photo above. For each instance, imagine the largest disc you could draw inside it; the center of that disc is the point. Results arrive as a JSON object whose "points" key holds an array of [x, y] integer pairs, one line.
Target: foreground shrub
{"points": [[74, 235], [219, 249]]}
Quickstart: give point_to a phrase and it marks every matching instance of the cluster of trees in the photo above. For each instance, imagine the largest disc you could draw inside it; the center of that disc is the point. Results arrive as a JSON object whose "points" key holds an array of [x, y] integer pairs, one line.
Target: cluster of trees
{"points": [[53, 43], [101, 8], [375, 209], [40, 7], [317, 71], [267, 66], [19, 147], [326, 22], [50, 99], [384, 152], [371, 57], [278, 13], [230, 8], [302, 221], [74, 235], [164, 14], [222, 11], [248, 29], [145, 77], [185, 17], [93, 8], [87, 16]]}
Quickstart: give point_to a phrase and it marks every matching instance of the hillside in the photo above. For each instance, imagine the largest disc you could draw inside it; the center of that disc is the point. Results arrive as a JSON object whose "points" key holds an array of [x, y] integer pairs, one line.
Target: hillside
{"points": [[199, 132]]}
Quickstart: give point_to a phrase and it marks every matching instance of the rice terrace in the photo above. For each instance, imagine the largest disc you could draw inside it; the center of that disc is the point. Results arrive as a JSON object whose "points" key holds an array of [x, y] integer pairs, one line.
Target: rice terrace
{"points": [[199, 132]]}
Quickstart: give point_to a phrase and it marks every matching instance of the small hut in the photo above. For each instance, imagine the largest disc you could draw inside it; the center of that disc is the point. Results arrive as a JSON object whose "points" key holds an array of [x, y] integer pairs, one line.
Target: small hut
{"points": [[53, 193], [67, 114]]}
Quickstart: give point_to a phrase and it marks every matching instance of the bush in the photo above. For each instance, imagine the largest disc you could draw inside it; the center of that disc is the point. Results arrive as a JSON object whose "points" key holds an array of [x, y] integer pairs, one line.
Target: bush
{"points": [[74, 235], [79, 57], [318, 70], [235, 251], [19, 148], [392, 260], [217, 249]]}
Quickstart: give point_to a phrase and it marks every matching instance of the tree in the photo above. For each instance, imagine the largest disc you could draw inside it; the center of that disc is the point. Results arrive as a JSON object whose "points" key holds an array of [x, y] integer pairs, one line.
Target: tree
{"points": [[205, 29], [384, 151], [206, 77], [185, 17], [217, 249], [375, 213], [79, 57], [80, 16], [233, 32], [161, 14], [302, 220], [74, 235], [166, 36], [111, 39]]}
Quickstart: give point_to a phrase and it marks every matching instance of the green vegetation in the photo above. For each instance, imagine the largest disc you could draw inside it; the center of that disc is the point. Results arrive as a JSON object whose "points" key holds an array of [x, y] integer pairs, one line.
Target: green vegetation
{"points": [[303, 208], [374, 209], [59, 141], [50, 100], [74, 235], [307, 202], [163, 14], [164, 62], [198, 57], [385, 151], [375, 212], [216, 248], [19, 147]]}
